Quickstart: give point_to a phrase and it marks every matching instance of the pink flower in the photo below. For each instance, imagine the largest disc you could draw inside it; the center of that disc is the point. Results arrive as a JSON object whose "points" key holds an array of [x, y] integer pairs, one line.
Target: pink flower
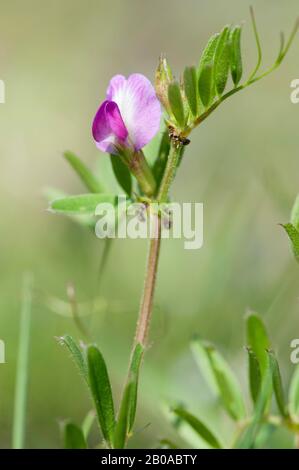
{"points": [[129, 117]]}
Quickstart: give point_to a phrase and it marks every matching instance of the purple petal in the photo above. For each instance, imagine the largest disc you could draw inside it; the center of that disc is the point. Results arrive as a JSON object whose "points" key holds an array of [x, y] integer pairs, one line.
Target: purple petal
{"points": [[108, 128], [138, 105], [115, 121]]}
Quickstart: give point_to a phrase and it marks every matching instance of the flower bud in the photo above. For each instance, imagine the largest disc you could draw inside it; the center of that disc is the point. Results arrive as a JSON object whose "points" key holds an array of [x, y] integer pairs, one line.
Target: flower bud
{"points": [[162, 80]]}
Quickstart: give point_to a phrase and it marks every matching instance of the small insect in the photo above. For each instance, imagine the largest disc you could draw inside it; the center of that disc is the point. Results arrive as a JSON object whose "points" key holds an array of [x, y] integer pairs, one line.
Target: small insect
{"points": [[176, 138]]}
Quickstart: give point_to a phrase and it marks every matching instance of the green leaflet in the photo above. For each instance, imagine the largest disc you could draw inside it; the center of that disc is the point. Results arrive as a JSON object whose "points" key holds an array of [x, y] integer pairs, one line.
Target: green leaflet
{"points": [[293, 235], [133, 377], [236, 56], [76, 354], [82, 204], [127, 411], [247, 439], [121, 428], [73, 437], [176, 103], [84, 220], [101, 392], [87, 177], [190, 87], [206, 85], [201, 429], [294, 395], [254, 373], [207, 56], [277, 384], [222, 60], [162, 157], [122, 174], [257, 339]]}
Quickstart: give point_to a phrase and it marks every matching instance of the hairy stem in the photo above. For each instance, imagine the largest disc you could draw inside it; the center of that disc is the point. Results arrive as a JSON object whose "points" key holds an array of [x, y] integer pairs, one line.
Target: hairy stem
{"points": [[170, 170], [154, 249], [149, 284]]}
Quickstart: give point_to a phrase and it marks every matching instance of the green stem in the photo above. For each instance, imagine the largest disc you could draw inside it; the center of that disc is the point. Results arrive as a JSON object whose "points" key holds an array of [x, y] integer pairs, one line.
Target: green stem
{"points": [[154, 248], [149, 284], [138, 165], [19, 416], [169, 173]]}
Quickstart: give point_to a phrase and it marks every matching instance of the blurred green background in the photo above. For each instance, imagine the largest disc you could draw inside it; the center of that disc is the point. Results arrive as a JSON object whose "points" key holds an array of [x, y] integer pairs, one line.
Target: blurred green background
{"points": [[56, 59]]}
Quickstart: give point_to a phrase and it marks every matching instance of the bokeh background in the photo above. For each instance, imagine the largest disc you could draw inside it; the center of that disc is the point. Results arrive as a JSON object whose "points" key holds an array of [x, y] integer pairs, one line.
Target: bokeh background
{"points": [[56, 59]]}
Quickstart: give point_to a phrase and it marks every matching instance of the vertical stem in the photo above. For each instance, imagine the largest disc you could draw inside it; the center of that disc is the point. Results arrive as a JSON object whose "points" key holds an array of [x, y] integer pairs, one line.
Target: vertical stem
{"points": [[149, 284], [154, 250], [170, 170], [146, 304], [18, 431]]}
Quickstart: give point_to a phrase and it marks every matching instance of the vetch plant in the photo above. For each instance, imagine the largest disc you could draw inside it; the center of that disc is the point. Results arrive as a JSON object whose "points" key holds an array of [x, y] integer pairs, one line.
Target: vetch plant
{"points": [[125, 122]]}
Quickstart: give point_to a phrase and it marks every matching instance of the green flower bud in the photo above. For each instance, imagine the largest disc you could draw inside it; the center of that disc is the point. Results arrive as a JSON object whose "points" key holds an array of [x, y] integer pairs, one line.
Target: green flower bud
{"points": [[163, 78]]}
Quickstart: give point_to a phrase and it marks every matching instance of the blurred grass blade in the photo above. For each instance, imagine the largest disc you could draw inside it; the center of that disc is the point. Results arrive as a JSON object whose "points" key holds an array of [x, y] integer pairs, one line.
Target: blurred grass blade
{"points": [[205, 434], [229, 388], [87, 423], [122, 174], [82, 204], [20, 399], [277, 384], [294, 396], [295, 214], [236, 56], [202, 360], [162, 157], [86, 176], [122, 425], [176, 103], [133, 377], [206, 84], [76, 354], [257, 339], [219, 377], [293, 235], [73, 437], [247, 439], [254, 375], [222, 60], [101, 392], [190, 87]]}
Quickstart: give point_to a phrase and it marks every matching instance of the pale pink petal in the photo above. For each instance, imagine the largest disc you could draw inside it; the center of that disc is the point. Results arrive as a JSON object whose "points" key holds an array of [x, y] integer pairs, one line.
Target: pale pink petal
{"points": [[139, 107], [115, 87]]}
